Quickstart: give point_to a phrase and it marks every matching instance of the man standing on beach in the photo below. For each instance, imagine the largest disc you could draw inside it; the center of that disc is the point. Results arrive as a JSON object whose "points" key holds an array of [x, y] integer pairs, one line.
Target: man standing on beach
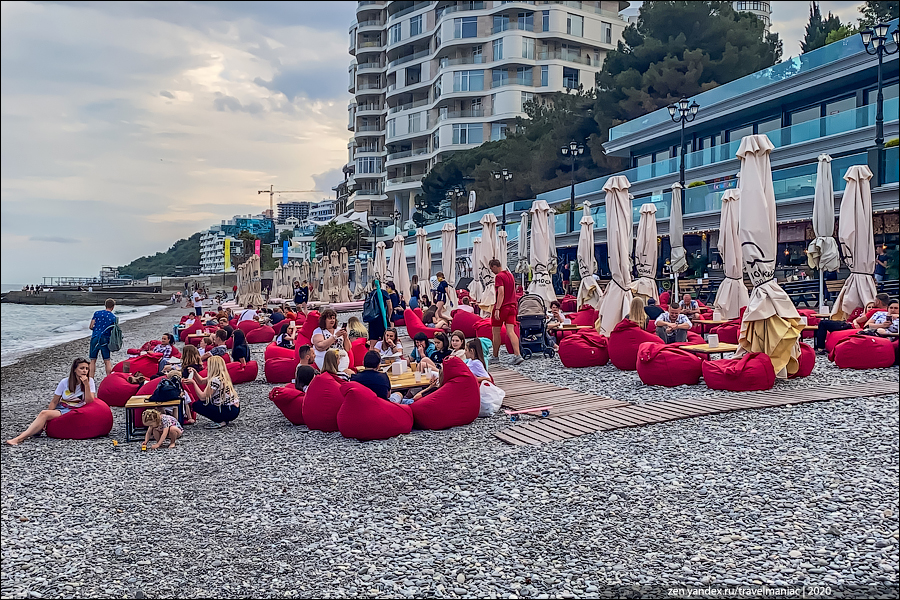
{"points": [[505, 310], [198, 302], [100, 324]]}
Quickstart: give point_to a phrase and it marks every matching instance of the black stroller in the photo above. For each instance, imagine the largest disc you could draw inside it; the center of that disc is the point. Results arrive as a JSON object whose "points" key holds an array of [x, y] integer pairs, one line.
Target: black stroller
{"points": [[532, 317]]}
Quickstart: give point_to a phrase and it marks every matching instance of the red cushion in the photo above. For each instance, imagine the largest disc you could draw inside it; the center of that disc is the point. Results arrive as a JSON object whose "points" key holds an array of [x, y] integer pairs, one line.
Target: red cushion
{"points": [[273, 350], [248, 325], [807, 361], [322, 403], [456, 402], [751, 372], [669, 366], [568, 304], [358, 351], [289, 401], [464, 321], [115, 389], [584, 349], [624, 342], [694, 338], [261, 335], [415, 325], [419, 312], [836, 337], [811, 319], [365, 416], [310, 325], [243, 373], [197, 326], [399, 323], [233, 322], [729, 332], [863, 352], [281, 370], [147, 364], [588, 315], [664, 298], [149, 387], [484, 329], [176, 353], [91, 420]]}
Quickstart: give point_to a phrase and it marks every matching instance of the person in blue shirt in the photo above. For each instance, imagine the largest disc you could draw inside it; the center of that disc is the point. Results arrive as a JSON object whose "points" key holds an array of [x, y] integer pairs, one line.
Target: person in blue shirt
{"points": [[423, 348], [374, 379], [100, 324]]}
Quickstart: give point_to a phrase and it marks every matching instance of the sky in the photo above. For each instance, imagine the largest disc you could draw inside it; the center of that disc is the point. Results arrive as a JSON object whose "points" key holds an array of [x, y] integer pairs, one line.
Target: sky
{"points": [[127, 126]]}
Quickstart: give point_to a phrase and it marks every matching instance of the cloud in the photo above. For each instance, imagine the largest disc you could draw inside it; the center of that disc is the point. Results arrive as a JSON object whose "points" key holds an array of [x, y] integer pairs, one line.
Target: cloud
{"points": [[53, 239], [166, 94]]}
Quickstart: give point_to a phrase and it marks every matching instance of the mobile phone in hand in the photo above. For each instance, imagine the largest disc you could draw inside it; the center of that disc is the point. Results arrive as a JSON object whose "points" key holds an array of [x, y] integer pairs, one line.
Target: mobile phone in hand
{"points": [[190, 374]]}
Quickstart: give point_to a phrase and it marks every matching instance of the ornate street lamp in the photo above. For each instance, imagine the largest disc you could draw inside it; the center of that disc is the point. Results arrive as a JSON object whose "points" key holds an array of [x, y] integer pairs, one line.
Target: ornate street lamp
{"points": [[683, 112], [503, 175], [875, 41], [573, 150], [454, 196]]}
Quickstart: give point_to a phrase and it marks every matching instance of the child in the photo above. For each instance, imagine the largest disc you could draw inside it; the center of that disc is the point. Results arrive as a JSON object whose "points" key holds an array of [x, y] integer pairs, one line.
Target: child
{"points": [[475, 360], [458, 344], [388, 346], [161, 427], [303, 376], [441, 351]]}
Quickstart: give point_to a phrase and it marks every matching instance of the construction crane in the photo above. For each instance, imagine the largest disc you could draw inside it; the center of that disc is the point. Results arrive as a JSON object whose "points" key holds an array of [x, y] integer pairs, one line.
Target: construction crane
{"points": [[272, 191]]}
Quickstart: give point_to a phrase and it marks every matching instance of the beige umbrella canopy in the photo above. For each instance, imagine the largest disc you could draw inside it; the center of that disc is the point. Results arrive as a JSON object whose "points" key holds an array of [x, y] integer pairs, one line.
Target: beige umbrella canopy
{"points": [[589, 291], [489, 250], [732, 295], [553, 261], [314, 279], [333, 277], [541, 283], [771, 323], [358, 285], [522, 265], [427, 262], [677, 257], [370, 274], [398, 271], [504, 248], [822, 253], [380, 266], [646, 253], [423, 268], [448, 260], [304, 271], [617, 299], [256, 282], [344, 291], [857, 242], [476, 289]]}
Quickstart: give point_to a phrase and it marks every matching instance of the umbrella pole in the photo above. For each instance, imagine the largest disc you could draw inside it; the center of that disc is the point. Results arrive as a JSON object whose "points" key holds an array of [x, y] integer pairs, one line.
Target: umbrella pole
{"points": [[821, 289], [674, 291]]}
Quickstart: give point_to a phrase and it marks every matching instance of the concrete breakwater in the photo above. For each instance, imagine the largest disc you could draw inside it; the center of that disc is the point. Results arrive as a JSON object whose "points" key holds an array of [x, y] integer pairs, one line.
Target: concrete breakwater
{"points": [[78, 298]]}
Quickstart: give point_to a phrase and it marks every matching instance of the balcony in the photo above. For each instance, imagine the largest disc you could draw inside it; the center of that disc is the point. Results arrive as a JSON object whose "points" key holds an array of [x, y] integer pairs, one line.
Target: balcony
{"points": [[369, 45], [525, 81], [369, 66], [410, 181], [466, 60], [378, 23], [465, 114], [376, 108], [406, 59], [408, 106], [364, 128], [368, 150], [508, 26], [370, 86], [455, 8], [407, 154], [573, 58], [406, 11]]}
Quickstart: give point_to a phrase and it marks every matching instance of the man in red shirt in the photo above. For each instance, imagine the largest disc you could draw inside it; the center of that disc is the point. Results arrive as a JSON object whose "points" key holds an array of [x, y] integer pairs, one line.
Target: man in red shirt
{"points": [[505, 309]]}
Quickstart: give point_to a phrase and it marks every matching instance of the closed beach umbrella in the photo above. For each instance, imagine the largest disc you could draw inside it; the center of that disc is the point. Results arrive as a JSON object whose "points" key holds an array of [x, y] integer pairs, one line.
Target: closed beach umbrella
{"points": [[771, 323], [822, 253], [476, 289], [398, 270], [422, 267], [504, 249], [522, 264], [358, 283], [380, 266], [553, 261], [619, 225], [448, 260], [314, 278], [541, 283], [332, 276], [646, 253], [427, 262], [589, 291], [857, 242], [370, 274], [677, 258], [344, 292], [276, 282], [256, 278], [732, 295], [489, 250]]}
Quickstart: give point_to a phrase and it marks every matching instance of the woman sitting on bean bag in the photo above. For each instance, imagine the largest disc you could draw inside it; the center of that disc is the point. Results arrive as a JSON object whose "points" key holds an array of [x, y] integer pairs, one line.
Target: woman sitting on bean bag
{"points": [[217, 399], [240, 351], [287, 335], [73, 392]]}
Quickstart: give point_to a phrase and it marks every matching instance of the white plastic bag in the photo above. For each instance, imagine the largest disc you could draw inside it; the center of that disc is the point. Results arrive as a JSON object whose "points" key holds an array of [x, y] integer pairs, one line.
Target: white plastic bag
{"points": [[491, 398]]}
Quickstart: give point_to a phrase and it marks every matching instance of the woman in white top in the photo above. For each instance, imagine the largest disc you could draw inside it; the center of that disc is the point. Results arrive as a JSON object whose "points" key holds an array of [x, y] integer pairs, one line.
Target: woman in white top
{"points": [[74, 391], [389, 347], [328, 337]]}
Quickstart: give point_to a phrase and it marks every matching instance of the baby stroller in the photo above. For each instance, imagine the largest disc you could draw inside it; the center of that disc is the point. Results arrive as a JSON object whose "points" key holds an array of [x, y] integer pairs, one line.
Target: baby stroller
{"points": [[532, 317]]}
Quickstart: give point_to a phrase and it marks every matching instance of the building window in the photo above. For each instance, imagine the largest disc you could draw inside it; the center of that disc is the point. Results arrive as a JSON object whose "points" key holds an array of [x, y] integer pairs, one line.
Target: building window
{"points": [[468, 133], [570, 78], [478, 54], [806, 114], [528, 48], [442, 113], [709, 141], [415, 26], [368, 164], [526, 21], [523, 76], [501, 23], [607, 33], [394, 34], [527, 97], [475, 106], [498, 49], [415, 123], [435, 140], [436, 89], [498, 131], [740, 132], [499, 77], [468, 81], [545, 75], [643, 161], [770, 125], [392, 128], [465, 27], [839, 106], [574, 25], [545, 20]]}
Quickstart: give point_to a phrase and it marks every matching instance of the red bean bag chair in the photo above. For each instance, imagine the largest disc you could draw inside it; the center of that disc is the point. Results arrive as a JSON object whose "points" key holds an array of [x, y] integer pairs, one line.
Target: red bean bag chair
{"points": [[484, 329], [398, 323], [624, 342], [358, 351], [419, 313], [116, 389], [248, 325], [836, 337], [664, 299], [365, 416], [462, 293], [147, 364], [322, 402], [175, 353], [568, 304], [415, 325], [243, 373], [92, 420], [729, 332], [196, 327], [807, 361], [280, 370], [304, 336], [863, 352], [456, 402], [751, 372], [261, 335], [233, 322], [666, 365], [464, 321], [587, 315], [694, 338], [289, 401], [273, 350], [584, 349]]}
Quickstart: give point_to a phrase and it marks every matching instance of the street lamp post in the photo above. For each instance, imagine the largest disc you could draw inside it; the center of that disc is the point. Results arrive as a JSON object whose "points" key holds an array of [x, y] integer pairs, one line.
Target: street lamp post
{"points": [[573, 150], [454, 195], [503, 175], [875, 41], [682, 112]]}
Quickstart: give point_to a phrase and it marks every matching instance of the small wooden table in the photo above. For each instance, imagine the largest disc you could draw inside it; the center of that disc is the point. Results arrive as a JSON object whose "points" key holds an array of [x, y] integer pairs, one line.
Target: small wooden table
{"points": [[810, 328], [822, 316], [407, 380], [132, 431], [704, 323], [570, 327], [192, 338], [704, 349]]}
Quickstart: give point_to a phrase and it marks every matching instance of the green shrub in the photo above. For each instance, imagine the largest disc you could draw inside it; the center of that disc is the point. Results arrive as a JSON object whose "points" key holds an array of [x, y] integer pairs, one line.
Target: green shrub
{"points": [[696, 184], [892, 143]]}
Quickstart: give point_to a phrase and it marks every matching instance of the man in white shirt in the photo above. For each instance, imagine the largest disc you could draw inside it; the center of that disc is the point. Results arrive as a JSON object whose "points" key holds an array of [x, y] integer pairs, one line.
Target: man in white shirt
{"points": [[672, 326], [198, 302], [249, 314]]}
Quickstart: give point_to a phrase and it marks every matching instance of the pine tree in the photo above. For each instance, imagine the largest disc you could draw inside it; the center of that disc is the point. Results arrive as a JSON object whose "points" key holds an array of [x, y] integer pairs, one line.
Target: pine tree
{"points": [[874, 12], [818, 29]]}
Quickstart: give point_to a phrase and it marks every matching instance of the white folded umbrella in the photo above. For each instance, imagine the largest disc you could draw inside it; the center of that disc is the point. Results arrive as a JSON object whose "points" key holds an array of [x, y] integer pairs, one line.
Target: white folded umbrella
{"points": [[618, 296], [857, 243], [489, 250], [732, 294], [448, 260], [646, 254], [541, 278]]}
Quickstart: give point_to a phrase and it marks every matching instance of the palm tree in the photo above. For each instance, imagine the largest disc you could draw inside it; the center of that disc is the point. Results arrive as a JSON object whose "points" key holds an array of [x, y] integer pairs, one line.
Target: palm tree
{"points": [[334, 236]]}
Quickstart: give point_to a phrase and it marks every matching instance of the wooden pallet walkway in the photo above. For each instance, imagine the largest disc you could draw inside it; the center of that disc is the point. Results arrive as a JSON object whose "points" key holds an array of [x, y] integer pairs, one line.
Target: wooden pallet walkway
{"points": [[522, 393], [564, 426]]}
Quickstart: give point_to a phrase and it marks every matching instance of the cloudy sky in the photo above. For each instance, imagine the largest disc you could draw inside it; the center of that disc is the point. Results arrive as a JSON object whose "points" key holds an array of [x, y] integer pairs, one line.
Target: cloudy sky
{"points": [[126, 126]]}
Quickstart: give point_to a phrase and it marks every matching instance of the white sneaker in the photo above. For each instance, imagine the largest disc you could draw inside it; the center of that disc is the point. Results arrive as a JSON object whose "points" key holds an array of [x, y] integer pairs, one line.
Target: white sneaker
{"points": [[518, 360]]}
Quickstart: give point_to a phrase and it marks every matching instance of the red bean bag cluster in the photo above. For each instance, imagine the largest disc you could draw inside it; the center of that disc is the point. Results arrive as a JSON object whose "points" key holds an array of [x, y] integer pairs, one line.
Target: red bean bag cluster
{"points": [[624, 342], [667, 365], [273, 350], [587, 315], [116, 390], [484, 329], [729, 332], [415, 325], [147, 364], [836, 337], [585, 348], [261, 335], [751, 372], [455, 403], [92, 420], [465, 321], [568, 303], [807, 360], [243, 373], [322, 402], [289, 401], [280, 370], [365, 416], [863, 352], [248, 325]]}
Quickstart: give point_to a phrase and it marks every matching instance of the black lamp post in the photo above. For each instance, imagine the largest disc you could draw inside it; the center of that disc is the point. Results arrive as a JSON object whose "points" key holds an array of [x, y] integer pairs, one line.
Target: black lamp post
{"points": [[875, 41], [573, 150], [503, 175], [682, 112], [454, 195]]}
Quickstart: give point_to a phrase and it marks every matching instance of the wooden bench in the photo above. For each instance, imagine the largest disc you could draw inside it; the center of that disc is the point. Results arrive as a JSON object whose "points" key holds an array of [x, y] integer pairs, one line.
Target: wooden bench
{"points": [[891, 288], [802, 291]]}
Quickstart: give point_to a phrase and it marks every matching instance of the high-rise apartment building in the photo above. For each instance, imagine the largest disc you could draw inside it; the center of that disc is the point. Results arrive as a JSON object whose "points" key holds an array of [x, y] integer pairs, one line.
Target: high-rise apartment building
{"points": [[762, 10], [433, 78], [298, 210]]}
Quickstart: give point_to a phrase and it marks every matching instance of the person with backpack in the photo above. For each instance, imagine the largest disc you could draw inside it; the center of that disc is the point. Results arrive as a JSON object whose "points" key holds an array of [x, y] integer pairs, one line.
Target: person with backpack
{"points": [[101, 327], [376, 311]]}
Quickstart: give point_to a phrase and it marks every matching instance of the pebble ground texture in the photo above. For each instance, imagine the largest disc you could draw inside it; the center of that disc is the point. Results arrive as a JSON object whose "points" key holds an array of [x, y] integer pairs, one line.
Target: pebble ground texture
{"points": [[804, 495]]}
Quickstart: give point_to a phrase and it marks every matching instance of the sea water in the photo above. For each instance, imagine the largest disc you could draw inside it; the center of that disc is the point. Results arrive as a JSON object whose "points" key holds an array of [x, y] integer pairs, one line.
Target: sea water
{"points": [[25, 329]]}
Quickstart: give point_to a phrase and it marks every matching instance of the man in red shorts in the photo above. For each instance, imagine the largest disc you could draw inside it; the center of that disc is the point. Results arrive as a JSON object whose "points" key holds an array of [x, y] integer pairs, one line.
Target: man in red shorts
{"points": [[505, 309]]}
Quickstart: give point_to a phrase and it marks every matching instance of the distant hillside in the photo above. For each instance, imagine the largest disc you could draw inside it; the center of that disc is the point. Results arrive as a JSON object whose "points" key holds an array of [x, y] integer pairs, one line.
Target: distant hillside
{"points": [[185, 253]]}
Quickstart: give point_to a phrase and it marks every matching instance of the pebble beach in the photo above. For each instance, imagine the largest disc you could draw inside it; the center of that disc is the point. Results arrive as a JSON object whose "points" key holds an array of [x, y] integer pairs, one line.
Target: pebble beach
{"points": [[793, 497]]}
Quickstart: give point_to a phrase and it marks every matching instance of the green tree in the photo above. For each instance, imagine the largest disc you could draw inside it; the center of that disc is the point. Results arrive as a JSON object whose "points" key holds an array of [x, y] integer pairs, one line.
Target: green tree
{"points": [[818, 29], [842, 32], [334, 236], [286, 234], [247, 248], [874, 12], [183, 253]]}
